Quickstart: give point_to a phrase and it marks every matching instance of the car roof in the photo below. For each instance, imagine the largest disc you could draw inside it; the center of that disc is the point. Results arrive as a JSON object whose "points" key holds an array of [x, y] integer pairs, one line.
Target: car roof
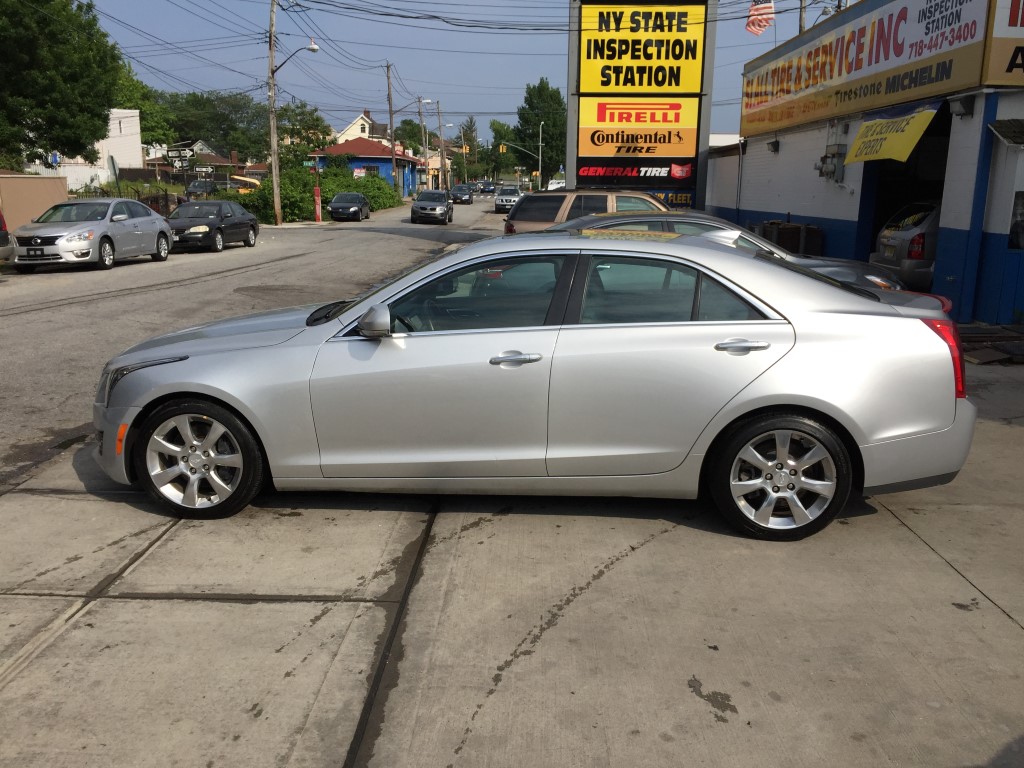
{"points": [[597, 218]]}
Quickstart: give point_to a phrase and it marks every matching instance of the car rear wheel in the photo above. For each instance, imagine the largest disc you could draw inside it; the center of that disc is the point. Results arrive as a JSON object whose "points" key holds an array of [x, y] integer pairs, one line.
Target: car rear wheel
{"points": [[218, 241], [162, 249], [781, 477], [106, 260], [250, 238], [197, 459]]}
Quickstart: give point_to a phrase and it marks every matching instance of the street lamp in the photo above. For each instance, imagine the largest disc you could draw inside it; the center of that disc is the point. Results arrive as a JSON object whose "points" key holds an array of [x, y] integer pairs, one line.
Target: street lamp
{"points": [[275, 163], [391, 120], [440, 132], [540, 154]]}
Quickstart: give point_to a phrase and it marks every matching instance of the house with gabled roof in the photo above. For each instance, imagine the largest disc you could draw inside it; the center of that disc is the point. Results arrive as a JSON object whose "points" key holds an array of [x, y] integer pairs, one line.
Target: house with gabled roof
{"points": [[373, 158]]}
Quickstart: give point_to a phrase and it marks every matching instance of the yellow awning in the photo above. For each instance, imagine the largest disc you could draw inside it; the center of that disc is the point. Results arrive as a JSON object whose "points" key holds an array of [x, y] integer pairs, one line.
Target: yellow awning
{"points": [[890, 139]]}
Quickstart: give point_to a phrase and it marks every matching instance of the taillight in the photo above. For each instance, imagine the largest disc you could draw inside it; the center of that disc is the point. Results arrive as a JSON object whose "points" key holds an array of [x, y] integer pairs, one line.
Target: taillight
{"points": [[510, 228], [3, 224], [946, 329], [916, 248]]}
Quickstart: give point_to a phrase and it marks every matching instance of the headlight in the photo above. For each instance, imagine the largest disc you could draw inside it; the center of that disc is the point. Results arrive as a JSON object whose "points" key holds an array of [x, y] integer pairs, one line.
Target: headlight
{"points": [[353, 209], [111, 376], [80, 237], [198, 230]]}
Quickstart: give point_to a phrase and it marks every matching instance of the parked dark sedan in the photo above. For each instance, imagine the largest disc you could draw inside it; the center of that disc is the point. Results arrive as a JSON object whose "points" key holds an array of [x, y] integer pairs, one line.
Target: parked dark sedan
{"points": [[212, 223], [462, 193], [349, 205]]}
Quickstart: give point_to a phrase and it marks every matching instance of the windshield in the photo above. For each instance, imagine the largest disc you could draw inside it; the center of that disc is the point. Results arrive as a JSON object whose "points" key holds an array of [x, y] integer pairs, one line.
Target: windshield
{"points": [[75, 212], [196, 211], [508, 191], [352, 198], [431, 197], [460, 188]]}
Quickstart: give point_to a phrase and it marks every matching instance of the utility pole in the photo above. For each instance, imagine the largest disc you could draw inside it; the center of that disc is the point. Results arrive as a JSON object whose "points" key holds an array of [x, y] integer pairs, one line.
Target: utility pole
{"points": [[540, 155], [391, 134], [423, 136], [275, 163]]}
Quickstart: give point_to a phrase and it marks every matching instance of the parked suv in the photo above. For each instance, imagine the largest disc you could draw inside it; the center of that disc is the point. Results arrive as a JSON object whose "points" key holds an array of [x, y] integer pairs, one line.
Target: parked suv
{"points": [[201, 187], [906, 244], [539, 210]]}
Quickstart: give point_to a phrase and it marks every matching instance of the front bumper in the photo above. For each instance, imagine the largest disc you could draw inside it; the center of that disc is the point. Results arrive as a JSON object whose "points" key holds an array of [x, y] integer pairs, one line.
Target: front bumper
{"points": [[112, 458], [345, 215], [60, 253], [501, 207], [192, 239], [437, 214]]}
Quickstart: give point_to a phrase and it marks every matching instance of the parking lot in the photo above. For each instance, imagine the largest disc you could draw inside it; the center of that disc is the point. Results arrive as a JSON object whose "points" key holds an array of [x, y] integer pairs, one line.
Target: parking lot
{"points": [[370, 630]]}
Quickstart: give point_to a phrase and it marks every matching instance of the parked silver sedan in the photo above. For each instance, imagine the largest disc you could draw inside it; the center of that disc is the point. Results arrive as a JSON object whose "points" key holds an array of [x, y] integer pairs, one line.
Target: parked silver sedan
{"points": [[557, 363], [698, 222], [97, 231]]}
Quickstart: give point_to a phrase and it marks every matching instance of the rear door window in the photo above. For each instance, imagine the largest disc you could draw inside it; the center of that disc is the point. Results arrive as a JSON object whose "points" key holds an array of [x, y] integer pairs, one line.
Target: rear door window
{"points": [[631, 203], [539, 207], [584, 205]]}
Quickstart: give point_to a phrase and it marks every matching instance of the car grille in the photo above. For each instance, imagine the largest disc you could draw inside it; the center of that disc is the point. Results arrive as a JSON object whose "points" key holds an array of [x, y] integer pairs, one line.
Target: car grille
{"points": [[31, 242], [45, 258]]}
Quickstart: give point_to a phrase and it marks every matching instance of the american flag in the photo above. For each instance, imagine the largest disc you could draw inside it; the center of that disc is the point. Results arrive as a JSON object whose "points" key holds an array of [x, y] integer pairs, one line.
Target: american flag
{"points": [[761, 16]]}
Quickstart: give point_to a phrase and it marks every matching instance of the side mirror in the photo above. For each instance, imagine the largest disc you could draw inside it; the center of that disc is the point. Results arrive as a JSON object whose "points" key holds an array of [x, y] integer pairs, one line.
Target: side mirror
{"points": [[376, 322], [119, 217]]}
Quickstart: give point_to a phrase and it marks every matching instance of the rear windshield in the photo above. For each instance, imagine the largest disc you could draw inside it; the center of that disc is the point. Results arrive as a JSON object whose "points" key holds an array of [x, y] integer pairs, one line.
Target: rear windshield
{"points": [[538, 208], [910, 217]]}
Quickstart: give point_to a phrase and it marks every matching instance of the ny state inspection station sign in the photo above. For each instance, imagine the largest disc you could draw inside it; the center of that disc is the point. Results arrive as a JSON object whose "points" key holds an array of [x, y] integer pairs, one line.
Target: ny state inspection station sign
{"points": [[640, 77]]}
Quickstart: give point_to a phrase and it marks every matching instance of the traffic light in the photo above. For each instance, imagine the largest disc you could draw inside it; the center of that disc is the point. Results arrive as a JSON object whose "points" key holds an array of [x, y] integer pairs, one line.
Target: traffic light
{"points": [[502, 148], [465, 149]]}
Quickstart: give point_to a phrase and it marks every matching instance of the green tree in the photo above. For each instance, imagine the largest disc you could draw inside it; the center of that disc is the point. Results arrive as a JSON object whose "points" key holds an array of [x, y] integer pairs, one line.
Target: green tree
{"points": [[303, 130], [225, 121], [409, 133], [57, 74], [502, 163], [156, 119], [542, 103], [468, 131]]}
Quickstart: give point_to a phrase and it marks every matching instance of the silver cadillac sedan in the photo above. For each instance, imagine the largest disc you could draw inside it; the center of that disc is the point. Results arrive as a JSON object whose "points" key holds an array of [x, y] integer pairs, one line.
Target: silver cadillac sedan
{"points": [[605, 364], [96, 231]]}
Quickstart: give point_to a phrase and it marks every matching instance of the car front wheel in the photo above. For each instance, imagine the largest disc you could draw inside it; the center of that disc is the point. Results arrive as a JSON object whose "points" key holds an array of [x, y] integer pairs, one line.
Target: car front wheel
{"points": [[250, 238], [106, 260], [197, 459], [780, 477], [218, 241]]}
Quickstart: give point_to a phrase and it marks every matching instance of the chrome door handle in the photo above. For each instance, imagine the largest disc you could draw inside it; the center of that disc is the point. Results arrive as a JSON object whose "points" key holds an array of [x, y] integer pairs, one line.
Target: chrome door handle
{"points": [[741, 346], [515, 358]]}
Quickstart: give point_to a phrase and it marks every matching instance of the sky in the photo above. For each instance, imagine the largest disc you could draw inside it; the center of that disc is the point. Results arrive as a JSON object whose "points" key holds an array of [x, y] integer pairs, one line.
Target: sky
{"points": [[472, 57]]}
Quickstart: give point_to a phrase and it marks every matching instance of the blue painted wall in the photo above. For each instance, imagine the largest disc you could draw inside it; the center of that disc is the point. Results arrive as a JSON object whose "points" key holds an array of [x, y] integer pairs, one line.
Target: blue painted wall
{"points": [[840, 238]]}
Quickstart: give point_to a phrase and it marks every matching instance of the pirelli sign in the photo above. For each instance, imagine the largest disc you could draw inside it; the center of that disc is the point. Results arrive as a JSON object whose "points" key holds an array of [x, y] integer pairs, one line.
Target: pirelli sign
{"points": [[640, 70]]}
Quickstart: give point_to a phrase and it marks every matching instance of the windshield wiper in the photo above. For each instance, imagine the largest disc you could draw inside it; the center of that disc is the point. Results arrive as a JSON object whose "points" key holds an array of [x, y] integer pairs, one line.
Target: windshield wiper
{"points": [[328, 312]]}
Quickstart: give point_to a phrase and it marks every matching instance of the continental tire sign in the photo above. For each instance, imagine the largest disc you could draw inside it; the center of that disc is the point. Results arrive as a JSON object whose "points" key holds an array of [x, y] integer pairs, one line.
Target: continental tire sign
{"points": [[640, 81]]}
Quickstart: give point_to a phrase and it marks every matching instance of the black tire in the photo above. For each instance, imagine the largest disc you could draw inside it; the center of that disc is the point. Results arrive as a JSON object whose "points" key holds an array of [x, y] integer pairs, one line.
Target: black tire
{"points": [[451, 216], [413, 220], [202, 488], [24, 269], [250, 238], [163, 248], [782, 497], [218, 242], [106, 259]]}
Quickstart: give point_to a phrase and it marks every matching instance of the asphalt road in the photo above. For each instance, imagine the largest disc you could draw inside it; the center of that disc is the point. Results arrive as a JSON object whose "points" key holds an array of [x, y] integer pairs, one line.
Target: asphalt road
{"points": [[411, 631]]}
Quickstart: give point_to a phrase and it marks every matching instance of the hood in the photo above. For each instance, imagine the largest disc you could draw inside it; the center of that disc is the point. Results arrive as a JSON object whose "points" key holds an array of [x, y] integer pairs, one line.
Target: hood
{"points": [[263, 329], [192, 221], [51, 228]]}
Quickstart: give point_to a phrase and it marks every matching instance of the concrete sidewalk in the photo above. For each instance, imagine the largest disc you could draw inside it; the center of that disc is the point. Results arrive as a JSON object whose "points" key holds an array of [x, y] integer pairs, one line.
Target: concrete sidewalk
{"points": [[316, 630]]}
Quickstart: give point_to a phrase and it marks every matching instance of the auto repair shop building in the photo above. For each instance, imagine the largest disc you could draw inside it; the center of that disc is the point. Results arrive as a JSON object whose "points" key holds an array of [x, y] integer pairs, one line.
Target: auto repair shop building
{"points": [[885, 104]]}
